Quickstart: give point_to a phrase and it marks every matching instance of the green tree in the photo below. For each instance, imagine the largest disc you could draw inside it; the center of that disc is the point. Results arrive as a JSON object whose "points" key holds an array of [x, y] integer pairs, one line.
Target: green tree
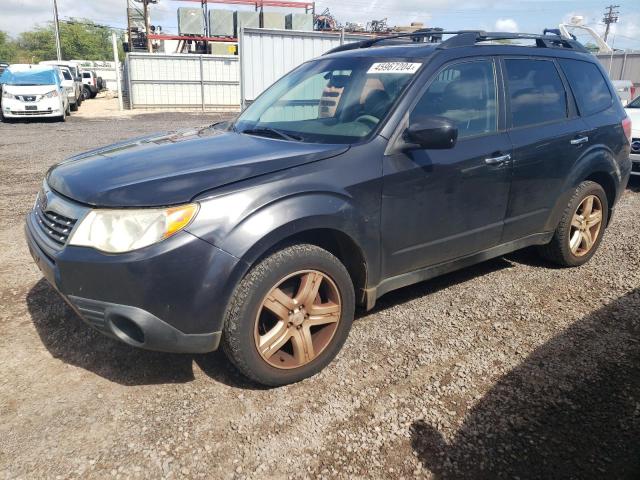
{"points": [[8, 48], [79, 39], [592, 47]]}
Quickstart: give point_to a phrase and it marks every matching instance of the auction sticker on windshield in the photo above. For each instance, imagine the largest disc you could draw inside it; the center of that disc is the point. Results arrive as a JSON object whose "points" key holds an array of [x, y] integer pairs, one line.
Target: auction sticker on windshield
{"points": [[394, 67]]}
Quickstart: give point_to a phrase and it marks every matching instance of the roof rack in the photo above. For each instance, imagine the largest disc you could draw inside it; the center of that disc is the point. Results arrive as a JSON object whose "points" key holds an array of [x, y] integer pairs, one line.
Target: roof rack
{"points": [[467, 38]]}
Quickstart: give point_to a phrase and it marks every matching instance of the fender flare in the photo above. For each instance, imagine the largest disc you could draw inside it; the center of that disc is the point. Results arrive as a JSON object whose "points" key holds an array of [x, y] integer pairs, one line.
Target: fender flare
{"points": [[596, 161], [295, 214]]}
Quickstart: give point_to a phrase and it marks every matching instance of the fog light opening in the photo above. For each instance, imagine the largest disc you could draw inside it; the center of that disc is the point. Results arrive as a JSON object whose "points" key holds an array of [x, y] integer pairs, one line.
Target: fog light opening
{"points": [[126, 329]]}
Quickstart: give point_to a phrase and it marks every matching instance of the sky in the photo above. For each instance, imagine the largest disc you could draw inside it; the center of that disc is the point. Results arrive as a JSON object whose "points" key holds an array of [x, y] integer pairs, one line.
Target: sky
{"points": [[529, 16]]}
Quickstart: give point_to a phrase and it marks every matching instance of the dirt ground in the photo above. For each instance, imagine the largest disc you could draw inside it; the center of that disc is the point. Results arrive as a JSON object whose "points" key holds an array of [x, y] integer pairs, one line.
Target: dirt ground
{"points": [[509, 369]]}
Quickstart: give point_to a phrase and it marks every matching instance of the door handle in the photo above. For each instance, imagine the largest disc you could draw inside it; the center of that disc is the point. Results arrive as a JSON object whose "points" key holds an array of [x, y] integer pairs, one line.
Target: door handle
{"points": [[579, 141], [497, 160]]}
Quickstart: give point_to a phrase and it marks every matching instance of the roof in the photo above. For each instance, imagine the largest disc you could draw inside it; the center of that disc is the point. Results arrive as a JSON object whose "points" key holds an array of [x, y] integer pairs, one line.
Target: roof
{"points": [[26, 67], [425, 42], [402, 50]]}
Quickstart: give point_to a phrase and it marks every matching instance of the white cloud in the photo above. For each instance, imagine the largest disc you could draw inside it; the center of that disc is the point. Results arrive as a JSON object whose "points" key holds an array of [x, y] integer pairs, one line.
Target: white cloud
{"points": [[506, 25]]}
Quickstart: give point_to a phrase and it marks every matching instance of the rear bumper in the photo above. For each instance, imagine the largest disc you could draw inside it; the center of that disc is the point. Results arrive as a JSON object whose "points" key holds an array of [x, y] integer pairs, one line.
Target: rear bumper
{"points": [[168, 297]]}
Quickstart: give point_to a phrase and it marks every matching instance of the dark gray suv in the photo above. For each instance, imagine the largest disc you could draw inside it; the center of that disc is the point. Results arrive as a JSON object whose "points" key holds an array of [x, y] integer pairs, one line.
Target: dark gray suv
{"points": [[371, 168]]}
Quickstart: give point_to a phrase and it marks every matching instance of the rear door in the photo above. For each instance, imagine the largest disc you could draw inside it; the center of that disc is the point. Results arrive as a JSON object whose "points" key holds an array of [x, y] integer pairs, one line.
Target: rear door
{"points": [[548, 137]]}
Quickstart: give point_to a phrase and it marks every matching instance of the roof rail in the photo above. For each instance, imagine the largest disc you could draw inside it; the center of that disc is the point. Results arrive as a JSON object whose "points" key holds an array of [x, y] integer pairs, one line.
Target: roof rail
{"points": [[466, 38]]}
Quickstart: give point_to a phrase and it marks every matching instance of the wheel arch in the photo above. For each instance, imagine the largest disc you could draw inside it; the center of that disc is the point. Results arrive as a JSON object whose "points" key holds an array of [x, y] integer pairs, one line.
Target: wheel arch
{"points": [[597, 165], [335, 241]]}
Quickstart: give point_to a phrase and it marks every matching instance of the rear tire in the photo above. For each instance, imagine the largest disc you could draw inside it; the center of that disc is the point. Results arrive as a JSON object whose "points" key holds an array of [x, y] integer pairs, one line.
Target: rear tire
{"points": [[86, 93], [310, 326], [579, 235], [74, 107]]}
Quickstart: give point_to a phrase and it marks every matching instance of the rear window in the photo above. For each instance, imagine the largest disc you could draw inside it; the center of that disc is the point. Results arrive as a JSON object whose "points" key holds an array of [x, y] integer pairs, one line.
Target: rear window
{"points": [[86, 75], [536, 91], [588, 85]]}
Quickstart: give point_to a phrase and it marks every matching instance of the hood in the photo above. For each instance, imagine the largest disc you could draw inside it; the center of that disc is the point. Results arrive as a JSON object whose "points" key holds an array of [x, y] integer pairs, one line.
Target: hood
{"points": [[29, 89], [634, 115], [168, 169]]}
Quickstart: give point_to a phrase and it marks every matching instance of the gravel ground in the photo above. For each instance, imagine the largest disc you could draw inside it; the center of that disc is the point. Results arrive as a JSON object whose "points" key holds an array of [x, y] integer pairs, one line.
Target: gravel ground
{"points": [[509, 369]]}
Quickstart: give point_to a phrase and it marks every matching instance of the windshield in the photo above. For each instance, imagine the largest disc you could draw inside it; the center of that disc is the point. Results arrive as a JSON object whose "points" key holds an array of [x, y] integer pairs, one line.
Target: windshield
{"points": [[29, 77], [329, 100], [634, 104]]}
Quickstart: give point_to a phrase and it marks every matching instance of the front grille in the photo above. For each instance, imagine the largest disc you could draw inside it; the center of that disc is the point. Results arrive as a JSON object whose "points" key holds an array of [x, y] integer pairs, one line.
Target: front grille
{"points": [[32, 112], [635, 167], [55, 226], [28, 98]]}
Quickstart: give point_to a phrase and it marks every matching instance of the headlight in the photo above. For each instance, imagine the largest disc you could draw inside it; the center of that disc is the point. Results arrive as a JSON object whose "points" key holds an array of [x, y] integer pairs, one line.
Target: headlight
{"points": [[51, 94], [6, 94], [118, 231]]}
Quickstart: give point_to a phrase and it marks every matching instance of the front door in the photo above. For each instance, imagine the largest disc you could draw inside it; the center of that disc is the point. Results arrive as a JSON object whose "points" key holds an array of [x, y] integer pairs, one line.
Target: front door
{"points": [[439, 205]]}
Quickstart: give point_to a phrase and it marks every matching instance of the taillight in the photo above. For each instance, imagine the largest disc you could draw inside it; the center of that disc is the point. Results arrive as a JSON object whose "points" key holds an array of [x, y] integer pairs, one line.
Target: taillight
{"points": [[633, 93], [626, 126], [94, 81]]}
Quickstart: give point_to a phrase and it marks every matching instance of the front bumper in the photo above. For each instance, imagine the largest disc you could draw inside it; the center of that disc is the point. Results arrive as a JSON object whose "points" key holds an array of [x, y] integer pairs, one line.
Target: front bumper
{"points": [[46, 107], [168, 297]]}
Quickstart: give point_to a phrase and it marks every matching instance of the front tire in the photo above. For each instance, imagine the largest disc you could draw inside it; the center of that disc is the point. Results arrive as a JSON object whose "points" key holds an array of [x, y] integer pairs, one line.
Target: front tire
{"points": [[581, 227], [289, 316]]}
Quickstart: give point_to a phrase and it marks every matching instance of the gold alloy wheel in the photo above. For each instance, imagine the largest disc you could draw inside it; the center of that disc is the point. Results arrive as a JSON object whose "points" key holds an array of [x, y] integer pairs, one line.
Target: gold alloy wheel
{"points": [[297, 319], [586, 225]]}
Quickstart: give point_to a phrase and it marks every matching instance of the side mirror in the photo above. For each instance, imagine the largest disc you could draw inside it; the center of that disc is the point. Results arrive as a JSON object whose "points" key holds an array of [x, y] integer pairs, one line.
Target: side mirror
{"points": [[432, 132]]}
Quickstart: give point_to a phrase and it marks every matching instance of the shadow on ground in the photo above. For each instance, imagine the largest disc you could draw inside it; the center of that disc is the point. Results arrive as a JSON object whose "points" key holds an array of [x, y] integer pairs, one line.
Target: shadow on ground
{"points": [[71, 340], [570, 410]]}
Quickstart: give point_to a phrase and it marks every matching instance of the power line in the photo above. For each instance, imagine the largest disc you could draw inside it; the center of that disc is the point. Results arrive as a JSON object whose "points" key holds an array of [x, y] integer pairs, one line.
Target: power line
{"points": [[610, 16]]}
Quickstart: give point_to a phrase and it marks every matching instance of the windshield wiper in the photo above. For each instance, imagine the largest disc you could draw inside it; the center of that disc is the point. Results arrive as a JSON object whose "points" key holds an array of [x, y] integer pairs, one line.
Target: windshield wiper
{"points": [[268, 131]]}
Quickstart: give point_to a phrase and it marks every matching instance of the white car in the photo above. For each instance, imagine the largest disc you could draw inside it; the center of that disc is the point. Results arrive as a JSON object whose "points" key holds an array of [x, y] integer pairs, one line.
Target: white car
{"points": [[33, 92], [625, 90], [74, 69], [633, 111], [69, 85]]}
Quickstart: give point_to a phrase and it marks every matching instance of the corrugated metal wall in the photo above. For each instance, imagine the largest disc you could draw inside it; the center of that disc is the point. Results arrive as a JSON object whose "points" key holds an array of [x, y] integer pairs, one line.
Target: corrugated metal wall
{"points": [[266, 55], [183, 81], [621, 66]]}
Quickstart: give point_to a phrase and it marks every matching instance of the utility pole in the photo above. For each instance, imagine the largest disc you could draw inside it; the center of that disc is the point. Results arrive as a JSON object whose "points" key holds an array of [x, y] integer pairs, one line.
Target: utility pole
{"points": [[146, 25], [116, 62], [611, 15], [56, 26]]}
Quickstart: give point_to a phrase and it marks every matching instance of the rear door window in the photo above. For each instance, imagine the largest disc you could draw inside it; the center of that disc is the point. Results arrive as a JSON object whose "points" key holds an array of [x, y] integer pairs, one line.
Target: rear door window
{"points": [[588, 85], [536, 91]]}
